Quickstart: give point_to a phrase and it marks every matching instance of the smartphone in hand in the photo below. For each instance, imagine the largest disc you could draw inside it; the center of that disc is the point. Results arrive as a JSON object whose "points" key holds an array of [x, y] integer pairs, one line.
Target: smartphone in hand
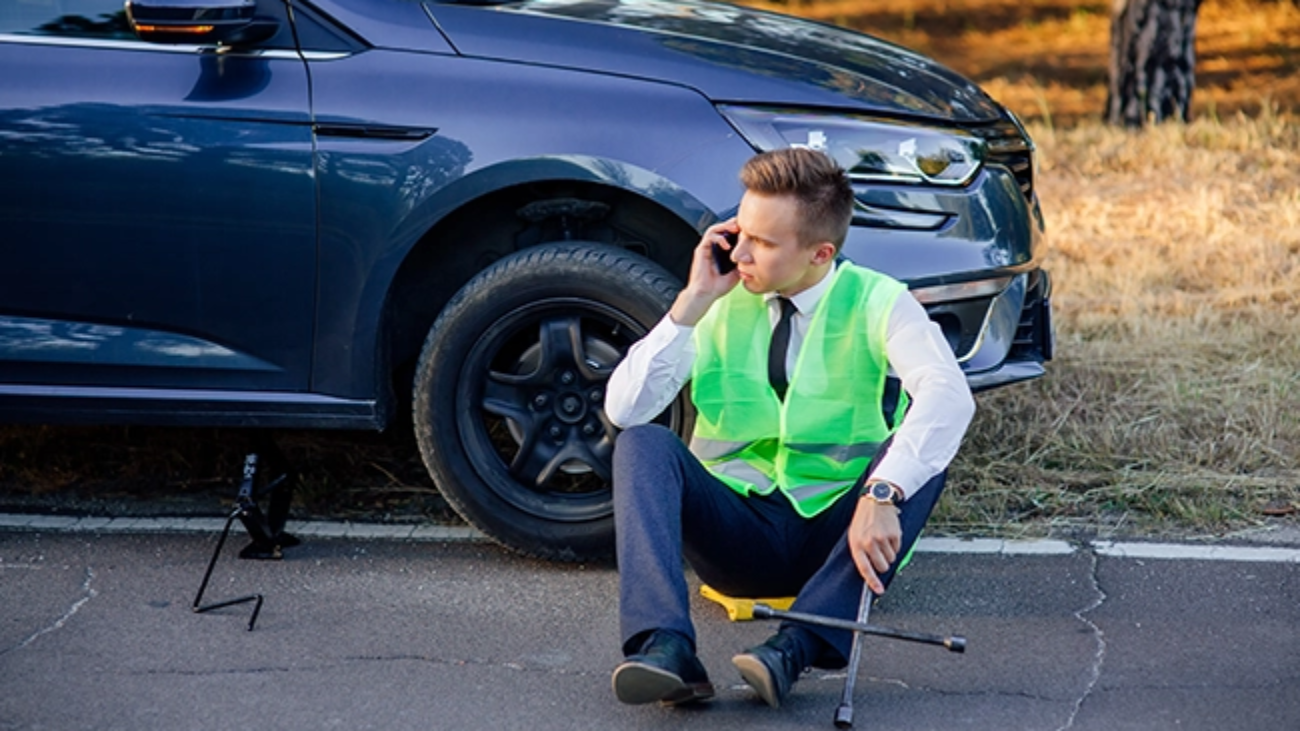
{"points": [[722, 257]]}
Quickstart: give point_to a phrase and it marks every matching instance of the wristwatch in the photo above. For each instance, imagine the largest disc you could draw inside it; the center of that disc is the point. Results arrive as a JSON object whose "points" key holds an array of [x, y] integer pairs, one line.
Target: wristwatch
{"points": [[883, 492]]}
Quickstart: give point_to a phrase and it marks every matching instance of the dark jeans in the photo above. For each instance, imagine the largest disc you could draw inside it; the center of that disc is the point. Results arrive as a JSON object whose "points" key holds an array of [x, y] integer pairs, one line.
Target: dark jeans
{"points": [[668, 507]]}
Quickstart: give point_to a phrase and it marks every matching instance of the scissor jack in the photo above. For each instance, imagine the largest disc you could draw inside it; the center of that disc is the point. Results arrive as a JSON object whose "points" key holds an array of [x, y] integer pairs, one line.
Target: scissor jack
{"points": [[269, 538]]}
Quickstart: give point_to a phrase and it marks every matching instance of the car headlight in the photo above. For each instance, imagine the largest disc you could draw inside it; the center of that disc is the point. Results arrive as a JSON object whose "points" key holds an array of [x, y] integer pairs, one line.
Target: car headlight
{"points": [[868, 149]]}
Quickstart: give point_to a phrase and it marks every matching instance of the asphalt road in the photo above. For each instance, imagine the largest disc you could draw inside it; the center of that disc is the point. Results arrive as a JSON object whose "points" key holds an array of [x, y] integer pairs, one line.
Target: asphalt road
{"points": [[96, 632]]}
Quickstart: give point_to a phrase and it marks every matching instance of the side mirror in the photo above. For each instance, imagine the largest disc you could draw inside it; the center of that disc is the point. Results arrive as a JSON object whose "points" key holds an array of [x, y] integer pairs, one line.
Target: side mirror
{"points": [[200, 22]]}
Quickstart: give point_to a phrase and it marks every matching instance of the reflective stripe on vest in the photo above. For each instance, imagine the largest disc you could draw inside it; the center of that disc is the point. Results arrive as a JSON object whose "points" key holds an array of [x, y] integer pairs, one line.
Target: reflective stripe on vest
{"points": [[715, 449], [738, 472], [810, 493], [839, 452], [711, 449], [816, 443]]}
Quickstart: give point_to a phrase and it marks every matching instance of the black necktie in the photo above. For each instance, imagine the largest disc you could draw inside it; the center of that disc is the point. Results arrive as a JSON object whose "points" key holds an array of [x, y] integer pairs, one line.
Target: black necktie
{"points": [[780, 346]]}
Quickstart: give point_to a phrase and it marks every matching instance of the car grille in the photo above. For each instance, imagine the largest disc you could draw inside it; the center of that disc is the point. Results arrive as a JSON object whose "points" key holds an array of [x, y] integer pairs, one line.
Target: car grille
{"points": [[1010, 149]]}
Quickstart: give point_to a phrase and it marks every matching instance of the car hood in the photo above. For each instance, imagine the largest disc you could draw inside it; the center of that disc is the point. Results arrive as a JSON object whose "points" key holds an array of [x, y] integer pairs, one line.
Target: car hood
{"points": [[728, 53]]}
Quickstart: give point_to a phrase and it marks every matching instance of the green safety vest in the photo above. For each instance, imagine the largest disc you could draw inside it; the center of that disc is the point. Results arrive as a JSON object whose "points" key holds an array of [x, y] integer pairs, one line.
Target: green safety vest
{"points": [[817, 442]]}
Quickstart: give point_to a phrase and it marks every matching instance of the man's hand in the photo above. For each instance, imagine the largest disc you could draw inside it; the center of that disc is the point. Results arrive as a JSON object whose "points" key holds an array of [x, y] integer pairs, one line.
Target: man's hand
{"points": [[874, 540], [705, 285]]}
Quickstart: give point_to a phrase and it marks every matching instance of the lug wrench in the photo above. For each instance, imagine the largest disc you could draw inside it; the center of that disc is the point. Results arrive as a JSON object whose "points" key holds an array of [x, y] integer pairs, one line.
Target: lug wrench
{"points": [[954, 643], [844, 713]]}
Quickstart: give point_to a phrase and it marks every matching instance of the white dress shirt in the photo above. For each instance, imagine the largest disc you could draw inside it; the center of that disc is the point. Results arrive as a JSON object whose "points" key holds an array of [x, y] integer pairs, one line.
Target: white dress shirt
{"points": [[658, 365]]}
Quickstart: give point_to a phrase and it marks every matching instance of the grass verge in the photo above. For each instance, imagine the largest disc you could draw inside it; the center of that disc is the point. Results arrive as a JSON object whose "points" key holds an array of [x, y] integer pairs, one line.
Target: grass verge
{"points": [[1174, 405]]}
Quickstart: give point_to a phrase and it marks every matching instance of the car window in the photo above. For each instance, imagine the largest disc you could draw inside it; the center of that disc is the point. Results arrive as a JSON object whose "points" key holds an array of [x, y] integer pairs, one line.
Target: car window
{"points": [[316, 34], [66, 18]]}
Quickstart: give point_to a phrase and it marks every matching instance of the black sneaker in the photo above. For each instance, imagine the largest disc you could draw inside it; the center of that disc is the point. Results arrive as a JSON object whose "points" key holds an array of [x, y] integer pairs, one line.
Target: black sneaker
{"points": [[770, 669], [665, 670]]}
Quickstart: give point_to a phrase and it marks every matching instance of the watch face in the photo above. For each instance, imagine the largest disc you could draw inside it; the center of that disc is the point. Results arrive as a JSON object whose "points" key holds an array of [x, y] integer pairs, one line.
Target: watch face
{"points": [[882, 492]]}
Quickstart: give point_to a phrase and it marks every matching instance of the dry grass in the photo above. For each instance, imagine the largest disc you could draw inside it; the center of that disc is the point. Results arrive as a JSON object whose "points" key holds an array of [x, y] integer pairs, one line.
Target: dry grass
{"points": [[1175, 404], [1177, 223], [1046, 59]]}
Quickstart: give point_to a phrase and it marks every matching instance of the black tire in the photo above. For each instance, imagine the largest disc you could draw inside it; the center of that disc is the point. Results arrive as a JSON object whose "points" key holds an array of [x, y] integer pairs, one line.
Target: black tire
{"points": [[509, 393]]}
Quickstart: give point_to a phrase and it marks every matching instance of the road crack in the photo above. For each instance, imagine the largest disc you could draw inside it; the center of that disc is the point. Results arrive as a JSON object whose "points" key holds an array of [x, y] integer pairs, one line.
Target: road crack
{"points": [[526, 666], [343, 661], [1098, 635], [88, 592], [263, 670]]}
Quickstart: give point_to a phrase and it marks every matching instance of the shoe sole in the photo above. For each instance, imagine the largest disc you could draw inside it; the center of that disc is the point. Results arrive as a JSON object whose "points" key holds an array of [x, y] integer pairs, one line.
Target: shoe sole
{"points": [[637, 683], [756, 674]]}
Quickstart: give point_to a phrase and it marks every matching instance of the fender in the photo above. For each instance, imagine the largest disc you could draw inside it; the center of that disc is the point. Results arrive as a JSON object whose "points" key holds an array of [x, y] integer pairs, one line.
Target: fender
{"points": [[348, 361]]}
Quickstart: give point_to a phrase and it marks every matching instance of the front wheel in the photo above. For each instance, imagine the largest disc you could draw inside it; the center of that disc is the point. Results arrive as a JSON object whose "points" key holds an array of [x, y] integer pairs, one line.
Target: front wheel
{"points": [[510, 388]]}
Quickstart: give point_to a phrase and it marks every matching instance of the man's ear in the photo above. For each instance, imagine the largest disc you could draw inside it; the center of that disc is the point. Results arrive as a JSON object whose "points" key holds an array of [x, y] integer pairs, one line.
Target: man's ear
{"points": [[823, 253]]}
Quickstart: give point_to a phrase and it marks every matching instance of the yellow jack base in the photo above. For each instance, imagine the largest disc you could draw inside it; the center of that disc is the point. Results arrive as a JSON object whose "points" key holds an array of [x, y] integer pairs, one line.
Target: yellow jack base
{"points": [[740, 609]]}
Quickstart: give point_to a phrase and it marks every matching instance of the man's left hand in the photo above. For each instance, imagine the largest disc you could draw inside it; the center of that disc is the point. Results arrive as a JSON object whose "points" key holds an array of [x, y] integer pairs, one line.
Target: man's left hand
{"points": [[874, 540]]}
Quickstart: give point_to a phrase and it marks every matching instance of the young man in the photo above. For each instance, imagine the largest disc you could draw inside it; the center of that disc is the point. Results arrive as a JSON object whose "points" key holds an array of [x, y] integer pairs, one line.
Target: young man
{"points": [[808, 472]]}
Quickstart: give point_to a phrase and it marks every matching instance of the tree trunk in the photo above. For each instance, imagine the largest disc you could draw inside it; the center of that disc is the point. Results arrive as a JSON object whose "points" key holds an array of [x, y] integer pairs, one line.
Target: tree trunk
{"points": [[1152, 61]]}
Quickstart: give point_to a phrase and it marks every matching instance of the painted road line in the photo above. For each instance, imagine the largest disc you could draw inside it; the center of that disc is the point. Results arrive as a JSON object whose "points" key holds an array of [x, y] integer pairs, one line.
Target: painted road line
{"points": [[994, 546], [429, 532], [1196, 552]]}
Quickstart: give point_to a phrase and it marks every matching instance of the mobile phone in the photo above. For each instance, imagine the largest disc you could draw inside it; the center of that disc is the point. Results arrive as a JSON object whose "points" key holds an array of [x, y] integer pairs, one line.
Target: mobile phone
{"points": [[722, 257]]}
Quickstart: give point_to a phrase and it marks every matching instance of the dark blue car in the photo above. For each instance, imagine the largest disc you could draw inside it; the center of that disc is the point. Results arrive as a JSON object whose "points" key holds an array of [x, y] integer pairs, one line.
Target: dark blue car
{"points": [[321, 213]]}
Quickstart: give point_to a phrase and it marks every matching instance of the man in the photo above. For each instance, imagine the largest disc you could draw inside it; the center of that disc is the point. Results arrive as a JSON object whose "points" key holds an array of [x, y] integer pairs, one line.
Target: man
{"points": [[808, 472]]}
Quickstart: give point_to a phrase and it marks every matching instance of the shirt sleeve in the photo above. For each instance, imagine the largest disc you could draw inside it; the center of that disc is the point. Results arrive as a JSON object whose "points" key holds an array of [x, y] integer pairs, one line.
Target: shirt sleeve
{"points": [[651, 375], [942, 405]]}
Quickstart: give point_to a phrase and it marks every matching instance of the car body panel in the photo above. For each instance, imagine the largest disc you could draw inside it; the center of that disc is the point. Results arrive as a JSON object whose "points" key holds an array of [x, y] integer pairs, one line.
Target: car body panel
{"points": [[168, 279], [727, 52], [384, 193]]}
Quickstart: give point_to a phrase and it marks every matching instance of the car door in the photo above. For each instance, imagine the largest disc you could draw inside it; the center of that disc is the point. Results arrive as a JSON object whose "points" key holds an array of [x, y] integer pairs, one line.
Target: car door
{"points": [[157, 207]]}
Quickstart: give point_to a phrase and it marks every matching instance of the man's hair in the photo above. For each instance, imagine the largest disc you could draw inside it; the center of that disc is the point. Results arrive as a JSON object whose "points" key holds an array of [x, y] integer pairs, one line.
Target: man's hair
{"points": [[819, 185]]}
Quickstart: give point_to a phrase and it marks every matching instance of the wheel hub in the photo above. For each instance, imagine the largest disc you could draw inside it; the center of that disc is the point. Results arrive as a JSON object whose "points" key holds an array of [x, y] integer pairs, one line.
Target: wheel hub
{"points": [[566, 405], [570, 408]]}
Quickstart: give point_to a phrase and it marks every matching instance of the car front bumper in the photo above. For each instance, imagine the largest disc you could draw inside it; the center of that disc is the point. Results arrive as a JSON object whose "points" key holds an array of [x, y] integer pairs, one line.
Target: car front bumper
{"points": [[971, 256]]}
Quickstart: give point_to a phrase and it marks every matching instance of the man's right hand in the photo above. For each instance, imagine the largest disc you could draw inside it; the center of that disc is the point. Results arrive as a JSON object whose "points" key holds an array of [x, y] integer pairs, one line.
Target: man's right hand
{"points": [[705, 285], [875, 538]]}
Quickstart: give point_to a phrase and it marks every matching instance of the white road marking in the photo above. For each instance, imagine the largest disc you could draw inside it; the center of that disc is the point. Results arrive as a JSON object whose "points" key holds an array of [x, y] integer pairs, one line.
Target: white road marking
{"points": [[428, 532], [1197, 552], [994, 546]]}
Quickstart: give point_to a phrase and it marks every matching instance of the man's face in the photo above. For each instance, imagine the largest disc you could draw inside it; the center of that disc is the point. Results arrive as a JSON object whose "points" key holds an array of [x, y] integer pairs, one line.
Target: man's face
{"points": [[768, 255]]}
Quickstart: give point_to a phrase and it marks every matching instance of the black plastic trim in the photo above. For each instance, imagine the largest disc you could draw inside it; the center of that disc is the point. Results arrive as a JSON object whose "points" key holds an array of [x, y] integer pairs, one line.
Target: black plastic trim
{"points": [[374, 132], [179, 407]]}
